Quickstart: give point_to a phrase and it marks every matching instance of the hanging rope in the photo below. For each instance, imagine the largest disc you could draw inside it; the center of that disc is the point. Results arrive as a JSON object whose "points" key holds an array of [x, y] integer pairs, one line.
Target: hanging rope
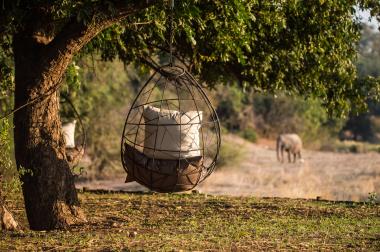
{"points": [[171, 32]]}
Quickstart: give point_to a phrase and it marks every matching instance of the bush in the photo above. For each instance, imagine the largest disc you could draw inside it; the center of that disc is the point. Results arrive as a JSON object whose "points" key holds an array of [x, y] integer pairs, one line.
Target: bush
{"points": [[354, 147], [230, 107], [249, 134], [283, 114], [11, 182], [229, 155], [102, 100]]}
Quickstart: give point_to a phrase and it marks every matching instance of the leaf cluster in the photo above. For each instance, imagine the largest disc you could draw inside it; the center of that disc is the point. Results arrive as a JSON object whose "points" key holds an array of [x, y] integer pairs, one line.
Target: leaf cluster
{"points": [[296, 46]]}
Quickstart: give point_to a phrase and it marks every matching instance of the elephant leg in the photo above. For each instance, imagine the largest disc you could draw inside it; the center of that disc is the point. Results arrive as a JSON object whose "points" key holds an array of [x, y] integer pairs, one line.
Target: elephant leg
{"points": [[282, 154], [289, 158]]}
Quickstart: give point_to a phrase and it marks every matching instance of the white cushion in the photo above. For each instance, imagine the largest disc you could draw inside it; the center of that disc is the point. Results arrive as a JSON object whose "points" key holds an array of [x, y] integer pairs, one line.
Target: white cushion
{"points": [[171, 134], [68, 130]]}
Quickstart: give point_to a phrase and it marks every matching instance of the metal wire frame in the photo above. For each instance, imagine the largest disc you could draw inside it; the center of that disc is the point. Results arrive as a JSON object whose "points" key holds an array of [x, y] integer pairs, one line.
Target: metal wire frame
{"points": [[179, 80]]}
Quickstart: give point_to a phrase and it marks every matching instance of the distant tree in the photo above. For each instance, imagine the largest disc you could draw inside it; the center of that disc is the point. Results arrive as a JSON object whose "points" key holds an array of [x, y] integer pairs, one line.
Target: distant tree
{"points": [[368, 63], [365, 126], [304, 47]]}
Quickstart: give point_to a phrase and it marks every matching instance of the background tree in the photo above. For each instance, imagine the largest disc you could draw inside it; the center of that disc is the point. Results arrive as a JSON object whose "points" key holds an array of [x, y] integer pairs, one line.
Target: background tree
{"points": [[301, 47], [365, 126], [368, 63], [42, 40]]}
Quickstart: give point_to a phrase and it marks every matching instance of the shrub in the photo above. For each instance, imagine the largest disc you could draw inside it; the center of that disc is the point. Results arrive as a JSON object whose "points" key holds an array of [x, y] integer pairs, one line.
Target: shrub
{"points": [[11, 182], [354, 147], [229, 155], [249, 134], [284, 114]]}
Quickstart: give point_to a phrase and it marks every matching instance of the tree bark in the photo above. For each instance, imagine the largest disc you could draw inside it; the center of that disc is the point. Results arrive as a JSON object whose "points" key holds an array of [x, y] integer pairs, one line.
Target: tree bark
{"points": [[48, 185], [50, 197]]}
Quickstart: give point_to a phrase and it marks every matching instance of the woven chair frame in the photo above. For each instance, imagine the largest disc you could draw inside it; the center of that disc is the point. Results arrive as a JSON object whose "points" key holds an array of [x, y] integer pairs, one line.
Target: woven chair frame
{"points": [[170, 88]]}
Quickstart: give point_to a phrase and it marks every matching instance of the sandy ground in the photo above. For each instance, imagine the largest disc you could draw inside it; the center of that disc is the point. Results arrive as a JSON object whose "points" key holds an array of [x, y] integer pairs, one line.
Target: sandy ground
{"points": [[333, 176]]}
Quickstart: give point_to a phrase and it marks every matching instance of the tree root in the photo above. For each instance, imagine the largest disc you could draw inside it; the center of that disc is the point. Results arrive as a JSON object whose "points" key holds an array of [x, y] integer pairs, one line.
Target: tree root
{"points": [[68, 215], [7, 222]]}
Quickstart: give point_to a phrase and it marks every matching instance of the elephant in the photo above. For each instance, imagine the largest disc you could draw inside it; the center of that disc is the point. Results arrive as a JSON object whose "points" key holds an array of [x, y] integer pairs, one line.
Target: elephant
{"points": [[292, 144]]}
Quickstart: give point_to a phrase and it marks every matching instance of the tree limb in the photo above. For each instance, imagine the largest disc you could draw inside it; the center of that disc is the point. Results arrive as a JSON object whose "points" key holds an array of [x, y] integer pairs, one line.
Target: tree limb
{"points": [[58, 53], [75, 34]]}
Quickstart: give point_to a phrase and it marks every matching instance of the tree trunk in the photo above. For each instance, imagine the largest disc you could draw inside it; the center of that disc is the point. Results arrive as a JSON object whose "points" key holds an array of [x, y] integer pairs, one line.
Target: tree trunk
{"points": [[7, 222], [48, 187], [41, 58]]}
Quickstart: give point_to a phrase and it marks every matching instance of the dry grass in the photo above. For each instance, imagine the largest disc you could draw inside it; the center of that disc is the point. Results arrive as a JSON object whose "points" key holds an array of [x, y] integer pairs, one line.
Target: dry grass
{"points": [[253, 170], [333, 176], [355, 147], [168, 222]]}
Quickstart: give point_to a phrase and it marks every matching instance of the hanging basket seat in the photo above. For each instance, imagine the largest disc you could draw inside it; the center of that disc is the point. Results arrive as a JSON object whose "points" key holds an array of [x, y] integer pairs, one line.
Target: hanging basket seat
{"points": [[171, 137], [162, 175]]}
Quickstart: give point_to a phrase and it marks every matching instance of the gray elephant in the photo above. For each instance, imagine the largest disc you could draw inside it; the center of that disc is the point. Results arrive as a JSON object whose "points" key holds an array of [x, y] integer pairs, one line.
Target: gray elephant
{"points": [[292, 144]]}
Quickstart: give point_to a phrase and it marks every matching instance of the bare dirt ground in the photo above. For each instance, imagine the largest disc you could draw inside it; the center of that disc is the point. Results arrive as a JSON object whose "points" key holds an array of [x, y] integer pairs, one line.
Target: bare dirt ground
{"points": [[332, 176]]}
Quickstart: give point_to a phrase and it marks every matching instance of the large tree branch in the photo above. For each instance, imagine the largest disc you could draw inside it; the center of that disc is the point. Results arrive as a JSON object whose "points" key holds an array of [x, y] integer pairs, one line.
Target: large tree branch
{"points": [[77, 33]]}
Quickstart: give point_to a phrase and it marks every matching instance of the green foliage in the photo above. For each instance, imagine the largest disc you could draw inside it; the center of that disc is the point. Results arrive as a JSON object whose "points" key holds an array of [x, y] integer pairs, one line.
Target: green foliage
{"points": [[249, 134], [306, 48], [6, 76], [353, 147], [268, 47], [95, 86], [70, 91], [372, 198], [368, 63], [365, 126], [102, 99], [11, 182], [229, 155], [282, 114], [230, 104], [299, 47], [5, 143], [249, 114]]}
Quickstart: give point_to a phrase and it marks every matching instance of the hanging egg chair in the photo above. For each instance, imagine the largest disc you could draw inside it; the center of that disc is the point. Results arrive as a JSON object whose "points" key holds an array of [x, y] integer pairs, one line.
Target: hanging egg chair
{"points": [[171, 137]]}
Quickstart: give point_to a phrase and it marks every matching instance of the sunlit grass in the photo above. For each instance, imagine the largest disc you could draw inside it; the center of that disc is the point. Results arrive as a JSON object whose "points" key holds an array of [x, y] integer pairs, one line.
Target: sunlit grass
{"points": [[200, 222]]}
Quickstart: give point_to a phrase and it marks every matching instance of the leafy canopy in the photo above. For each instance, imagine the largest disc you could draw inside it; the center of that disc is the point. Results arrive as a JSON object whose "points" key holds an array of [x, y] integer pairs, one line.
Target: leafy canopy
{"points": [[295, 46]]}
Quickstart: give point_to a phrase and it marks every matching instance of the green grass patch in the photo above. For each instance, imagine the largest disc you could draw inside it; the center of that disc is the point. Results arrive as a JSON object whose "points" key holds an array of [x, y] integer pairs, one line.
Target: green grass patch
{"points": [[249, 134], [169, 222]]}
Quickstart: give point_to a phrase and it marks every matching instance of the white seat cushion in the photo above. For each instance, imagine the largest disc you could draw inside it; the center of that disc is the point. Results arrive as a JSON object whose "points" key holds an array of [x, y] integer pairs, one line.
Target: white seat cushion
{"points": [[170, 134], [68, 131]]}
